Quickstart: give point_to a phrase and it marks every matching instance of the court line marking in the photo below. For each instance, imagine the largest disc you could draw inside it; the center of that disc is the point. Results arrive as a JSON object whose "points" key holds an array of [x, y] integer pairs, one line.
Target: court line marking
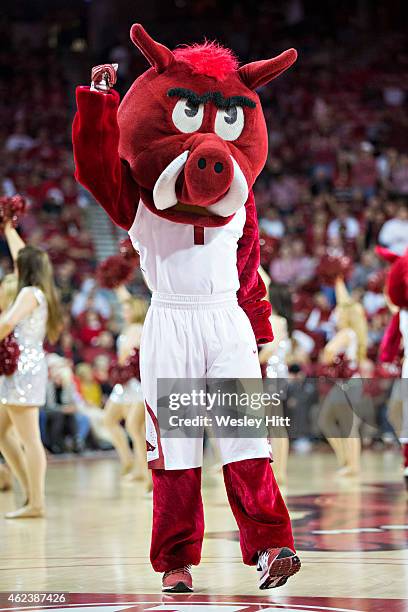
{"points": [[281, 605]]}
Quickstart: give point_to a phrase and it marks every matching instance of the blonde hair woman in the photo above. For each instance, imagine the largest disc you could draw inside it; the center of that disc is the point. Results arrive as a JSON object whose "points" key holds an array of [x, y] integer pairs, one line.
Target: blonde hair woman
{"points": [[126, 400], [34, 314], [336, 415]]}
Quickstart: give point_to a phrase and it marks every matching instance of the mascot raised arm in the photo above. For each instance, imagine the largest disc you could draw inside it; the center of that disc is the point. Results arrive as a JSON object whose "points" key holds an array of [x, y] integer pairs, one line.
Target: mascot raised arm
{"points": [[174, 164]]}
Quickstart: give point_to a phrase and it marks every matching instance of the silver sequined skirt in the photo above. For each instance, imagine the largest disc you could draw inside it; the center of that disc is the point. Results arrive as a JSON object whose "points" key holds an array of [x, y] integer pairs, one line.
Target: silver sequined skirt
{"points": [[130, 393], [28, 385]]}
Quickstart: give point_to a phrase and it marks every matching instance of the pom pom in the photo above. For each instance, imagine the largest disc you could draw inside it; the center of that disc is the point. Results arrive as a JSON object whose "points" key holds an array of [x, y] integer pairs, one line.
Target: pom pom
{"points": [[268, 247], [208, 58], [114, 271], [133, 363], [340, 368], [9, 354], [121, 374], [330, 268], [376, 281], [387, 370], [127, 250], [11, 209]]}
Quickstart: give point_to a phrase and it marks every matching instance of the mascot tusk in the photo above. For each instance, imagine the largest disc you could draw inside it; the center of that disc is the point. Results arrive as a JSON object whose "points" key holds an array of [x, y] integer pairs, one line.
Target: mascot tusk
{"points": [[164, 192], [235, 197]]}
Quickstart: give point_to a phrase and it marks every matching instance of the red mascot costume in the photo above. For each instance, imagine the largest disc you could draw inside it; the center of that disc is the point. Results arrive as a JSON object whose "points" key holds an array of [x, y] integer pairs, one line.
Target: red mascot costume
{"points": [[397, 291], [174, 164]]}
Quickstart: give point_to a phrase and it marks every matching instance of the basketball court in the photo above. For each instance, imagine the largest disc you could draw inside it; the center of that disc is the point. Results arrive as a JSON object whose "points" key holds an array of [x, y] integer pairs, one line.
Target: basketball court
{"points": [[352, 536]]}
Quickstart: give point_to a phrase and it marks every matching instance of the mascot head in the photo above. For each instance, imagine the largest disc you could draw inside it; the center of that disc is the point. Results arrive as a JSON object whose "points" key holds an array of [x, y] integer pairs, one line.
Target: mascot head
{"points": [[192, 128]]}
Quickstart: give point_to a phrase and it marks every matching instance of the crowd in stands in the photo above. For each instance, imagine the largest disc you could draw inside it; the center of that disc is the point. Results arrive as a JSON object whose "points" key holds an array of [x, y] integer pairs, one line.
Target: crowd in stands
{"points": [[336, 181]]}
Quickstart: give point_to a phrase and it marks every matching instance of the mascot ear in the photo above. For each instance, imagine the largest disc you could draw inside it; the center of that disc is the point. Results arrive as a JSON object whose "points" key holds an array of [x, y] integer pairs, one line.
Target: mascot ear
{"points": [[386, 254], [159, 56], [259, 73]]}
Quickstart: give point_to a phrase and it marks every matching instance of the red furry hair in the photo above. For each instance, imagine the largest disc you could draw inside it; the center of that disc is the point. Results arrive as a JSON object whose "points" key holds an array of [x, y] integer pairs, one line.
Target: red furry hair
{"points": [[209, 58]]}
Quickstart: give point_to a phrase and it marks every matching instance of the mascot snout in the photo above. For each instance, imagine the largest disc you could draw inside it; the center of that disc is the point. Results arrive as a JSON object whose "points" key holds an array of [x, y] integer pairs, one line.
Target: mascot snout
{"points": [[205, 175], [208, 174]]}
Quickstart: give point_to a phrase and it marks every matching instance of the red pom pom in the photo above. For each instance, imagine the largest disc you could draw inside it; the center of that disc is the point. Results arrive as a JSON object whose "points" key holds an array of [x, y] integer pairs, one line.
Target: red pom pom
{"points": [[376, 281], [268, 247], [127, 250], [9, 354], [11, 209], [330, 268], [340, 368], [114, 271], [121, 374], [387, 370], [133, 363]]}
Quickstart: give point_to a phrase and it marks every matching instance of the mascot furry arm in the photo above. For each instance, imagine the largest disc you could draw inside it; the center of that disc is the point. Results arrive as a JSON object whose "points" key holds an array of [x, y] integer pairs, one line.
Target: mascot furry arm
{"points": [[188, 140]]}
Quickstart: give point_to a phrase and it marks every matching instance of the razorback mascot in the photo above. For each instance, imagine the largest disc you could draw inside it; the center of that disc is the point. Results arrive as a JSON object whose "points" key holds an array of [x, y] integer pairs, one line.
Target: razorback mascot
{"points": [[397, 291], [174, 164]]}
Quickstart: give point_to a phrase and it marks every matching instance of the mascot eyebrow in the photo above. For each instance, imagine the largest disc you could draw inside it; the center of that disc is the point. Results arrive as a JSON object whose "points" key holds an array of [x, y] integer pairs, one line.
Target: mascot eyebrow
{"points": [[214, 96]]}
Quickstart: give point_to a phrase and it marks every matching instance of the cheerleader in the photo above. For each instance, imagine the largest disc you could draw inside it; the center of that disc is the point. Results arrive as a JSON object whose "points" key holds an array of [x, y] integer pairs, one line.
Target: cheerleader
{"points": [[34, 313], [272, 357], [126, 400], [350, 343]]}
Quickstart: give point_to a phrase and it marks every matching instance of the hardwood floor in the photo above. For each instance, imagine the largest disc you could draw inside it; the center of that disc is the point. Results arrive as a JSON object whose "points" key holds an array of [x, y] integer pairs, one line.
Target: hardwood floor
{"points": [[352, 536]]}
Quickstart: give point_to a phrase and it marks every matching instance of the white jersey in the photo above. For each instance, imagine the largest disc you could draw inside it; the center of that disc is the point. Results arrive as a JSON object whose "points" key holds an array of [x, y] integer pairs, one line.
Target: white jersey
{"points": [[173, 261]]}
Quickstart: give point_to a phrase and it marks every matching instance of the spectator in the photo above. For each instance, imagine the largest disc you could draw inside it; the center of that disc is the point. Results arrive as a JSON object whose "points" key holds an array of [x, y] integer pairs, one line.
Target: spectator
{"points": [[364, 171], [283, 269], [65, 427], [394, 232], [89, 388], [344, 226], [271, 224]]}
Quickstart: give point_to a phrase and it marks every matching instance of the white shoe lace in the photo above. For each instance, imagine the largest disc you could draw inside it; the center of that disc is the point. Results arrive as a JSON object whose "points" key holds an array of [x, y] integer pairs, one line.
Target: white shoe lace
{"points": [[262, 559]]}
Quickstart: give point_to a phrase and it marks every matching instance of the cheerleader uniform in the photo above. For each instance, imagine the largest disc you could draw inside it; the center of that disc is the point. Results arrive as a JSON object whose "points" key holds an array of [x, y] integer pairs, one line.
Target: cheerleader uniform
{"points": [[131, 392], [28, 385], [276, 366]]}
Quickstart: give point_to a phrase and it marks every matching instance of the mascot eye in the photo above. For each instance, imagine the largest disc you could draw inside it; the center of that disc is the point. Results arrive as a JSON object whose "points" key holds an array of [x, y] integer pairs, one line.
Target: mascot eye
{"points": [[188, 117], [229, 122]]}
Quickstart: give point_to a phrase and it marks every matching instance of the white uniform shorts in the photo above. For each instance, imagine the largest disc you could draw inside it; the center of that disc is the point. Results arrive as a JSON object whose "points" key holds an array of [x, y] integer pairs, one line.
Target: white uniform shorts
{"points": [[196, 337]]}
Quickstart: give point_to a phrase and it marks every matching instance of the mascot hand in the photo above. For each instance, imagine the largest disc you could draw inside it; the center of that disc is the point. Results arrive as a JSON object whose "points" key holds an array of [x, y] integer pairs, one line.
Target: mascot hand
{"points": [[103, 77]]}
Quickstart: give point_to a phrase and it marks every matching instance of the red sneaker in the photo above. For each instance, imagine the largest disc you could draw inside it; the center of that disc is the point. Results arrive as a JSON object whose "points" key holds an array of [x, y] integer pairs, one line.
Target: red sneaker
{"points": [[178, 580], [276, 565]]}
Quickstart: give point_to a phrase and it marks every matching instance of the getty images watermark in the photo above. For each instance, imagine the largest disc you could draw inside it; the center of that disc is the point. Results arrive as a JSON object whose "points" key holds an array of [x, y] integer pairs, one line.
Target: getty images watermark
{"points": [[297, 406], [229, 408], [212, 401]]}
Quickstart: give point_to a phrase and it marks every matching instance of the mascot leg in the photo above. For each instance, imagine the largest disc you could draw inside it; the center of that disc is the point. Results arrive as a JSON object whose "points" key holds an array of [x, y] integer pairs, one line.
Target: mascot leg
{"points": [[178, 519], [256, 502], [265, 530], [258, 507]]}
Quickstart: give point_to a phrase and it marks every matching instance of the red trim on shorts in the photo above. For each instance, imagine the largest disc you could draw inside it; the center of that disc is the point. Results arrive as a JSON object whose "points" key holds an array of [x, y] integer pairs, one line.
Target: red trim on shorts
{"points": [[198, 235], [156, 464]]}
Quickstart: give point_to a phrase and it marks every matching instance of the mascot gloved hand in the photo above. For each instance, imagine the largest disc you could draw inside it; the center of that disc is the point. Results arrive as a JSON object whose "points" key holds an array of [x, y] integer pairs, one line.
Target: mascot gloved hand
{"points": [[174, 164]]}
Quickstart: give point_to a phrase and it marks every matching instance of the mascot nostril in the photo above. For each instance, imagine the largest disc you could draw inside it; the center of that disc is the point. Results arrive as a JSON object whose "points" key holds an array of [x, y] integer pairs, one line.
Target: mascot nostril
{"points": [[208, 175]]}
